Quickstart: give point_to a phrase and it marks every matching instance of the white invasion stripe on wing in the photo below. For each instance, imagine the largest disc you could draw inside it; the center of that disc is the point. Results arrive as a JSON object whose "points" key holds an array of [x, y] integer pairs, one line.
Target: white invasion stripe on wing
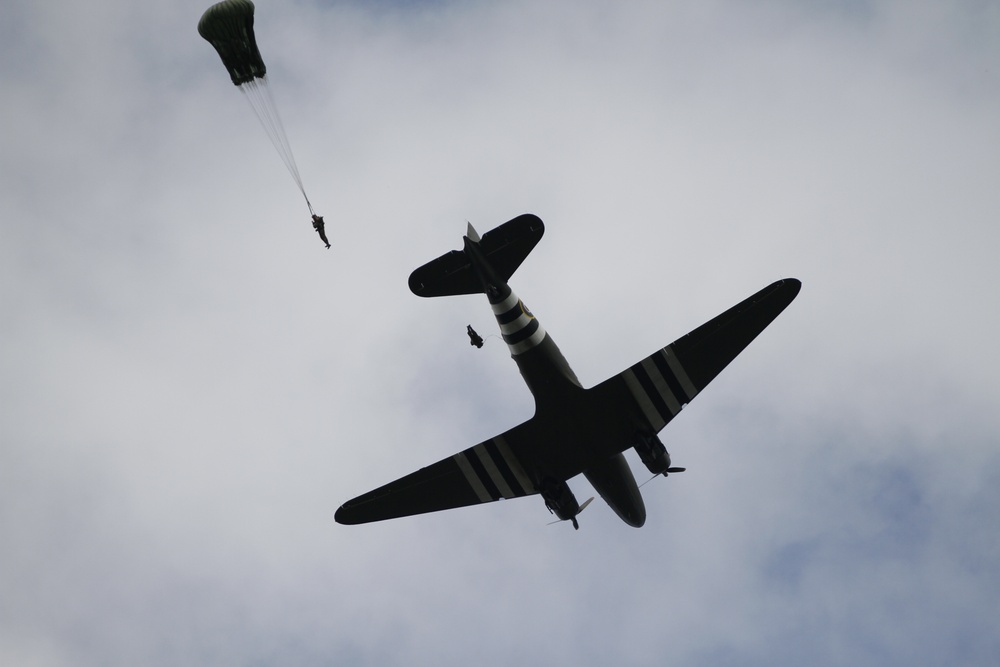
{"points": [[661, 386], [648, 409], [680, 373], [472, 478], [493, 471], [514, 464]]}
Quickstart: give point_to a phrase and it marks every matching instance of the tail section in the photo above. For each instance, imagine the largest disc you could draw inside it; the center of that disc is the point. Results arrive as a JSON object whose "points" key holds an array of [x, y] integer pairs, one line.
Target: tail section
{"points": [[472, 234], [504, 249]]}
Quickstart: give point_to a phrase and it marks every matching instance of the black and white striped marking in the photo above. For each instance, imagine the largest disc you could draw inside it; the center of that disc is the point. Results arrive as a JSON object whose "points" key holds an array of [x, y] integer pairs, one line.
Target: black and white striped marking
{"points": [[493, 471], [660, 386], [520, 330]]}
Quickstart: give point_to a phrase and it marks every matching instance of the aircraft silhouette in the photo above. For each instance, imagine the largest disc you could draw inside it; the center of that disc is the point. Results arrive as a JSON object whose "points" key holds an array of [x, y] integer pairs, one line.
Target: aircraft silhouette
{"points": [[574, 430]]}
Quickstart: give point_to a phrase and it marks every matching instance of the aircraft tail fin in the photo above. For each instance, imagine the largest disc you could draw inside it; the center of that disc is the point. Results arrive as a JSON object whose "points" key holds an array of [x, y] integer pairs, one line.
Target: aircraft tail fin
{"points": [[504, 247], [472, 233]]}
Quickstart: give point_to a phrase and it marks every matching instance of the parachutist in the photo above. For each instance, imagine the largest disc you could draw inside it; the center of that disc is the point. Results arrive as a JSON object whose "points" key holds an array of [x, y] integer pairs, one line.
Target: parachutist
{"points": [[474, 338], [320, 228]]}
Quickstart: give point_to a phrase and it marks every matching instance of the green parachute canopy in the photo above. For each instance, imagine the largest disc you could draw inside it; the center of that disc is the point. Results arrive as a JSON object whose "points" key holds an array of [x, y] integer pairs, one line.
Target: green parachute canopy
{"points": [[228, 26]]}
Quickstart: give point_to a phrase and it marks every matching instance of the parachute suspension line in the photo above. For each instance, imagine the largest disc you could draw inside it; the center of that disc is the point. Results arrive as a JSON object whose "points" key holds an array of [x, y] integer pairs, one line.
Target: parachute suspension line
{"points": [[258, 94]]}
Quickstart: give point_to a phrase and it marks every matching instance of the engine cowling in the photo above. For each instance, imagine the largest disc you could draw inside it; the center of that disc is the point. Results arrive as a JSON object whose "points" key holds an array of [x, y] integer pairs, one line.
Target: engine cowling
{"points": [[560, 499], [654, 455]]}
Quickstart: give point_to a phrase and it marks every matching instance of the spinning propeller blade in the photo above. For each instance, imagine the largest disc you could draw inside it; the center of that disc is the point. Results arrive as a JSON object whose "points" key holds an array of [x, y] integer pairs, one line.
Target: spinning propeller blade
{"points": [[668, 471], [576, 525]]}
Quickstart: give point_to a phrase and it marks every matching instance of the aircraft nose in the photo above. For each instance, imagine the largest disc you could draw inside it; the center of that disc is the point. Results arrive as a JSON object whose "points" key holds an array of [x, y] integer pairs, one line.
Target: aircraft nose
{"points": [[636, 517]]}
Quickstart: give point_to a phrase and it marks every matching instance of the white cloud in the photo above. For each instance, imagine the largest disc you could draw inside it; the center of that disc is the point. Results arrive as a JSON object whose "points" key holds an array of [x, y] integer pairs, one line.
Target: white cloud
{"points": [[192, 384]]}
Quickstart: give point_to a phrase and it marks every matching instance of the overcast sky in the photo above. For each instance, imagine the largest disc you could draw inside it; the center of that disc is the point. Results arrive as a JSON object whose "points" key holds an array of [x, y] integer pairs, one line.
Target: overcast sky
{"points": [[190, 384]]}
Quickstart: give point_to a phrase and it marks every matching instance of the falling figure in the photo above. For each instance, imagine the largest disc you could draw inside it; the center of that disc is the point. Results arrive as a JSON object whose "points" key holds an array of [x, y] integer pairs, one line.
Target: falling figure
{"points": [[320, 228], [474, 338]]}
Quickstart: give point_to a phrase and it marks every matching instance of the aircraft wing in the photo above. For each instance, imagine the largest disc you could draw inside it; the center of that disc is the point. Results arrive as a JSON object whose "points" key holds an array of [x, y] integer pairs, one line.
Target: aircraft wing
{"points": [[480, 474], [641, 399], [654, 390]]}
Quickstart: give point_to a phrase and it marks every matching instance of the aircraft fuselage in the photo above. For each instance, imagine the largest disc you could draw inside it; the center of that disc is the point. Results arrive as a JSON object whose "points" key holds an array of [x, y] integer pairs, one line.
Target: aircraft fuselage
{"points": [[566, 415]]}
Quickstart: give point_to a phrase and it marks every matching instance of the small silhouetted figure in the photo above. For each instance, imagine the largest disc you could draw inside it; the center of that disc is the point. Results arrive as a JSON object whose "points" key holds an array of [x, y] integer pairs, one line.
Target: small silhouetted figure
{"points": [[320, 228], [474, 338]]}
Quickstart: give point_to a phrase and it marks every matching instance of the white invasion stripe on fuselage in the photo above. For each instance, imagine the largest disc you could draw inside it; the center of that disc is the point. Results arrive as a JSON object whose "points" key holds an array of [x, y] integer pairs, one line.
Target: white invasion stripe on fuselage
{"points": [[527, 344], [506, 304], [511, 328]]}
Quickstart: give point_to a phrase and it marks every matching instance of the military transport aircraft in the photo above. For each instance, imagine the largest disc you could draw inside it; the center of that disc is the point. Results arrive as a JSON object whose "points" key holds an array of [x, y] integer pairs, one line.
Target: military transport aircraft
{"points": [[574, 430]]}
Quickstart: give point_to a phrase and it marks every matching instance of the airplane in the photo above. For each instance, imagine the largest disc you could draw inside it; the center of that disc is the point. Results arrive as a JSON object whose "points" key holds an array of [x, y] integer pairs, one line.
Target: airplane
{"points": [[574, 430]]}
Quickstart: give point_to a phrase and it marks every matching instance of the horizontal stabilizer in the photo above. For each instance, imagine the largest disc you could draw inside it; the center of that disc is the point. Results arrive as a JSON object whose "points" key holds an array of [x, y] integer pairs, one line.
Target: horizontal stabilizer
{"points": [[504, 247]]}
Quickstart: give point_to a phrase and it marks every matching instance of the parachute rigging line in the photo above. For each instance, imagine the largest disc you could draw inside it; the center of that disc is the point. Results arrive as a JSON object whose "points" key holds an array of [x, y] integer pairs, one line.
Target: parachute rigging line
{"points": [[228, 27], [258, 94]]}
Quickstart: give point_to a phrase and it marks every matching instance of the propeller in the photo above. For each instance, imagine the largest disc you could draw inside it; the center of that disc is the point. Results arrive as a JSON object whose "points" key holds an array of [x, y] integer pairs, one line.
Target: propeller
{"points": [[576, 526], [665, 474]]}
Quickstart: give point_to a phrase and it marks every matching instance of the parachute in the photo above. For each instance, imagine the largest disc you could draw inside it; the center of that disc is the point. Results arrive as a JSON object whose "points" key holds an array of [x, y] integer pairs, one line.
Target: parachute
{"points": [[228, 26]]}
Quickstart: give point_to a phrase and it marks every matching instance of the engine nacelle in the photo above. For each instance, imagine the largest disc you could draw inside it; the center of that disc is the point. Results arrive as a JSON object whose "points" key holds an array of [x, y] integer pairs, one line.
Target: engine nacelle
{"points": [[560, 499], [654, 455]]}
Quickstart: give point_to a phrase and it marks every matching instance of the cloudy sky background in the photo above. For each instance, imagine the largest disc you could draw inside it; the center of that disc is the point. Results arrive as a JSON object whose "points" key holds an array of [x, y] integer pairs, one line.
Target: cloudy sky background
{"points": [[191, 384]]}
